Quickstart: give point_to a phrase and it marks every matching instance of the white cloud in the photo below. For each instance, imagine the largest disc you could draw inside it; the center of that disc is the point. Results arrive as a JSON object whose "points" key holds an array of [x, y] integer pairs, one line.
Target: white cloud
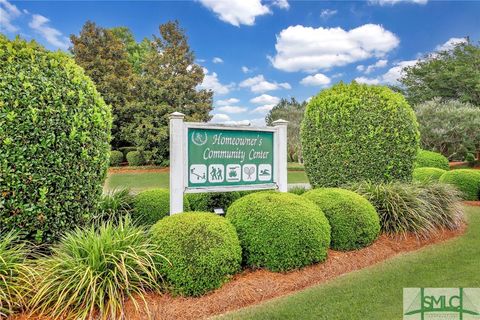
{"points": [[210, 81], [450, 44], [220, 117], [282, 4], [318, 79], [227, 102], [367, 80], [379, 64], [258, 122], [54, 37], [263, 109], [360, 68], [217, 60], [258, 84], [393, 2], [237, 12], [265, 99], [238, 123], [327, 13], [246, 69], [231, 109], [8, 13], [310, 49]]}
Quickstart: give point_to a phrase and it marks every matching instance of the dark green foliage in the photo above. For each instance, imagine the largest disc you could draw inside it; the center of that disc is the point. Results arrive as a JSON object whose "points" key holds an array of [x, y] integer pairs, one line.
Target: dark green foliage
{"points": [[413, 208], [54, 141], [211, 200], [470, 159], [135, 158], [427, 174], [353, 219], [280, 231], [126, 150], [92, 273], [202, 248], [116, 158], [465, 180], [355, 132], [153, 205], [431, 159]]}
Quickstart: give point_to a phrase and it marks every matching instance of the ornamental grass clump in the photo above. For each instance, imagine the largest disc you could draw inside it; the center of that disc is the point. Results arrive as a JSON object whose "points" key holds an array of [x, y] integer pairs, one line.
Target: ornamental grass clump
{"points": [[354, 221], [202, 249], [114, 206], [92, 272], [14, 274], [280, 231]]}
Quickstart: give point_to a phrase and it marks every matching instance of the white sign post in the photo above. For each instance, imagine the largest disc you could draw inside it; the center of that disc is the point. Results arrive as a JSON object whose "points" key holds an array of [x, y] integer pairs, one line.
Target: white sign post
{"points": [[208, 157]]}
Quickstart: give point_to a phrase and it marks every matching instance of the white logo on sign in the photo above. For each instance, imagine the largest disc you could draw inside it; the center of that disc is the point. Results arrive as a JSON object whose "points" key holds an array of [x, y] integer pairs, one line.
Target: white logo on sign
{"points": [[198, 173], [199, 139], [249, 172], [233, 173], [264, 172], [216, 173]]}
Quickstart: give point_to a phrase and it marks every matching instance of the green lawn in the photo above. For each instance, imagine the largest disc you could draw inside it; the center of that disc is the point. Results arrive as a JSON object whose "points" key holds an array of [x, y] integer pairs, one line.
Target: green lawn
{"points": [[142, 181], [376, 292]]}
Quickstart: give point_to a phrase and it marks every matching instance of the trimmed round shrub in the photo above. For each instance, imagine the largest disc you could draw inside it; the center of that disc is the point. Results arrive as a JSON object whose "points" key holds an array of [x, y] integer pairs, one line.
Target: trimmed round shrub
{"points": [[354, 221], [116, 158], [54, 142], [280, 231], [126, 150], [153, 205], [430, 159], [427, 174], [465, 180], [135, 158], [211, 200], [356, 132], [202, 249]]}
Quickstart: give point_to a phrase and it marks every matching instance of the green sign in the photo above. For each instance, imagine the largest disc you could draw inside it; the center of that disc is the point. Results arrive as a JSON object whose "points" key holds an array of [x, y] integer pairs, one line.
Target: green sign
{"points": [[221, 157]]}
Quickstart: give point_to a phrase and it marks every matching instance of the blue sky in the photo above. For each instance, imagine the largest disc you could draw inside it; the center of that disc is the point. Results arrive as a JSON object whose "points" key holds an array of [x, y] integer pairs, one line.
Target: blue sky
{"points": [[256, 52]]}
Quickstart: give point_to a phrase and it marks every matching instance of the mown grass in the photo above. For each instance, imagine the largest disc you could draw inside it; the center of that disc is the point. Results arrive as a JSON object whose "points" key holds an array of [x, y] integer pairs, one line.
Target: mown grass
{"points": [[376, 292], [137, 182]]}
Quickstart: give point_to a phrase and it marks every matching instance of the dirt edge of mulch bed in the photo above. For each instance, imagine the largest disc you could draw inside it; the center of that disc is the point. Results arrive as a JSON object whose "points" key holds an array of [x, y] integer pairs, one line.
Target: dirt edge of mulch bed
{"points": [[256, 286]]}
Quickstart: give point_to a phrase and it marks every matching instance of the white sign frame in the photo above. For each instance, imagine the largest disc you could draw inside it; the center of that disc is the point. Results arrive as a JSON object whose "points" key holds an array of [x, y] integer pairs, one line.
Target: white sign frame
{"points": [[179, 159]]}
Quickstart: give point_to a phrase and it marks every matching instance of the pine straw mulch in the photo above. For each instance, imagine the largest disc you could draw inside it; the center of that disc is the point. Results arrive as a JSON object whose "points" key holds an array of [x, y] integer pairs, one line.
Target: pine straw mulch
{"points": [[255, 286]]}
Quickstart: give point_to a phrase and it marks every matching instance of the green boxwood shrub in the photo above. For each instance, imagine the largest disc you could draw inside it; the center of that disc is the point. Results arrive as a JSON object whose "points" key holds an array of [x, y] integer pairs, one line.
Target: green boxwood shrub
{"points": [[465, 180], [208, 201], [153, 205], [116, 158], [427, 174], [202, 248], [355, 132], [431, 159], [54, 141], [280, 231], [135, 158], [354, 221], [126, 150]]}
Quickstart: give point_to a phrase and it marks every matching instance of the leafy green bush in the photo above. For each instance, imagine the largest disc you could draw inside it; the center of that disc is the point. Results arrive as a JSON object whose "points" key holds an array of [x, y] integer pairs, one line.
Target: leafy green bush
{"points": [[413, 208], [353, 219], [298, 190], [54, 141], [13, 273], [202, 249], [465, 180], [116, 158], [126, 150], [355, 132], [135, 158], [208, 201], [96, 270], [427, 174], [470, 158], [153, 205], [280, 231], [430, 159]]}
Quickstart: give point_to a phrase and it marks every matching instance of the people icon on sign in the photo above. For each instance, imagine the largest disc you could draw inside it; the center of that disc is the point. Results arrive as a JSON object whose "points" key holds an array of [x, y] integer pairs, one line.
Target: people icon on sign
{"points": [[216, 173]]}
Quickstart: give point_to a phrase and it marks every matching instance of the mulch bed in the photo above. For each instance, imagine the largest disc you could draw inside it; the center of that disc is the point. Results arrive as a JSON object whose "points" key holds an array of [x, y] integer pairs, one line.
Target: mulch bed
{"points": [[472, 203], [255, 286]]}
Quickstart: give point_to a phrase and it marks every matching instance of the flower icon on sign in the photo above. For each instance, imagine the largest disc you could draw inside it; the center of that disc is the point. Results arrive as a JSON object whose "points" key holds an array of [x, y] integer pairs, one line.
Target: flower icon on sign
{"points": [[199, 139]]}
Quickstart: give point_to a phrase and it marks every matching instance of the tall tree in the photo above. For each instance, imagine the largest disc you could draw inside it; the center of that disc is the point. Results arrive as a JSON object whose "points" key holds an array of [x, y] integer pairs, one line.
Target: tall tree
{"points": [[449, 74], [137, 51], [292, 111], [103, 56]]}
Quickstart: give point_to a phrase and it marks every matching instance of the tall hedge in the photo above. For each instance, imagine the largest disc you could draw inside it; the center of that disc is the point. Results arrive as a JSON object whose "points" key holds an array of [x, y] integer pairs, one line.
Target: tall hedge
{"points": [[355, 132], [54, 141]]}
